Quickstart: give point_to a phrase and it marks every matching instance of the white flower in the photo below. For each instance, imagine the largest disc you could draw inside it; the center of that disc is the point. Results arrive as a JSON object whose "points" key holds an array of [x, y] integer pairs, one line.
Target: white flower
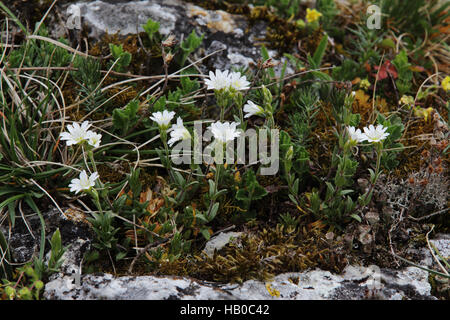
{"points": [[93, 138], [178, 132], [226, 80], [252, 109], [224, 132], [375, 134], [163, 118], [219, 80], [84, 182], [355, 134], [239, 82], [77, 134]]}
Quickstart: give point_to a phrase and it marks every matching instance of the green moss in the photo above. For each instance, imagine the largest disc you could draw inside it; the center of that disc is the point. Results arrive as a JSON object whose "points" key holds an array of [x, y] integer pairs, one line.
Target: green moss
{"points": [[261, 256]]}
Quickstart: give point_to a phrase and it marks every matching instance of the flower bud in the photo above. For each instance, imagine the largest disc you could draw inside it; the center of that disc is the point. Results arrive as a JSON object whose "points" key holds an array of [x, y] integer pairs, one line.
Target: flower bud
{"points": [[300, 23], [29, 271], [290, 153], [39, 284], [267, 95], [168, 57], [10, 292], [170, 41], [24, 292]]}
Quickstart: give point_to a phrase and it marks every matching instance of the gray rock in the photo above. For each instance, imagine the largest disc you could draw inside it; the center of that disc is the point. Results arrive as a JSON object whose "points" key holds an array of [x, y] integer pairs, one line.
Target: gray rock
{"points": [[106, 287], [72, 257], [312, 285], [24, 240], [222, 30], [356, 283], [125, 17], [219, 241], [442, 243]]}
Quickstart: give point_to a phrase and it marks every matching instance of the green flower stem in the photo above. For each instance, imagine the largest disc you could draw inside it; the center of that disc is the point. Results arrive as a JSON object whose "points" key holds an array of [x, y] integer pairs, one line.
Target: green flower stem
{"points": [[84, 158], [239, 100], [163, 133], [216, 182], [216, 185], [222, 113], [271, 121], [241, 118], [379, 151], [222, 98], [91, 157], [216, 178], [96, 198], [102, 186]]}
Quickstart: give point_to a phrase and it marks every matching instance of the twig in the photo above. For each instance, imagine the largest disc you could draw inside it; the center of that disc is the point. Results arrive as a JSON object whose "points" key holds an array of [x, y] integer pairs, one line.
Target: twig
{"points": [[394, 225], [143, 250], [112, 262], [224, 230], [432, 252], [429, 216], [420, 267]]}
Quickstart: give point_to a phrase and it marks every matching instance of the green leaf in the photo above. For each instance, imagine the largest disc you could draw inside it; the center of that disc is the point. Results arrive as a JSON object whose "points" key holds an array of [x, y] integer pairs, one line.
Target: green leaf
{"points": [[124, 119], [12, 199], [345, 192], [120, 255], [188, 85], [12, 213], [179, 178], [135, 183], [123, 57], [14, 18], [151, 28], [201, 217], [405, 75], [213, 212], [212, 188], [219, 193], [56, 252], [189, 45], [206, 234], [320, 52], [252, 190], [350, 205], [315, 202], [265, 56], [56, 241], [293, 199]]}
